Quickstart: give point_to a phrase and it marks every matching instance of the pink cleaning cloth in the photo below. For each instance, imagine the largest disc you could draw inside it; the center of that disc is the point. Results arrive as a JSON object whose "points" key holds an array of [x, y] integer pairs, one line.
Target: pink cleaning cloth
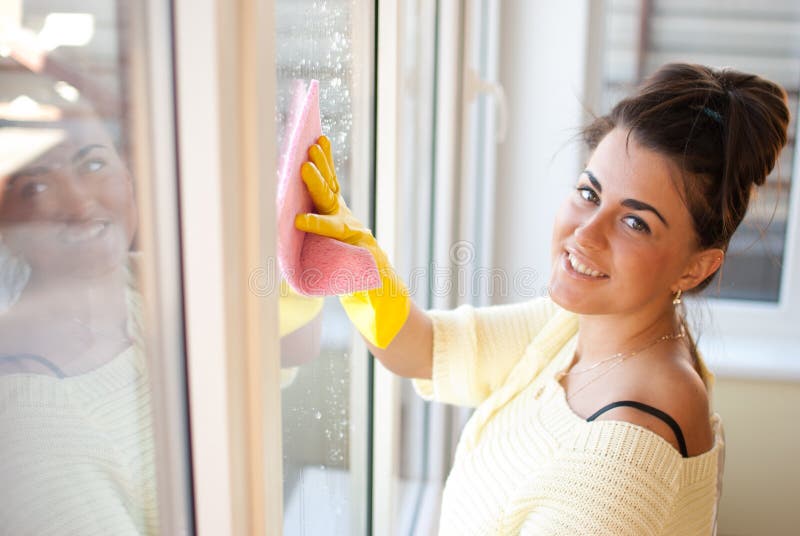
{"points": [[313, 265]]}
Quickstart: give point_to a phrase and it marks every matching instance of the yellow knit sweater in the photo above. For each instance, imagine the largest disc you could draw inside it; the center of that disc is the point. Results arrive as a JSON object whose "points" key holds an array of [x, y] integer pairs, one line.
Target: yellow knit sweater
{"points": [[77, 453], [527, 464]]}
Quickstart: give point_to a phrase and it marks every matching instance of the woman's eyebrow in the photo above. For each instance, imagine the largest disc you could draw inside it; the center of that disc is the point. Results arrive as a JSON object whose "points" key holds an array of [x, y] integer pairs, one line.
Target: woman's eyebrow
{"points": [[635, 204], [38, 170], [85, 149], [593, 180]]}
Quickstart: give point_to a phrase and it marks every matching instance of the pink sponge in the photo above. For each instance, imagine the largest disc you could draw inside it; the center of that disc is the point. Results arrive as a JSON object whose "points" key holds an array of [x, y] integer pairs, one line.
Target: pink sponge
{"points": [[313, 265]]}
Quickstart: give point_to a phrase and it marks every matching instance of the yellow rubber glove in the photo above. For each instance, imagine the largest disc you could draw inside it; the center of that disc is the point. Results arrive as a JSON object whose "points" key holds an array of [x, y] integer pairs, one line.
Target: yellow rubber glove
{"points": [[379, 313]]}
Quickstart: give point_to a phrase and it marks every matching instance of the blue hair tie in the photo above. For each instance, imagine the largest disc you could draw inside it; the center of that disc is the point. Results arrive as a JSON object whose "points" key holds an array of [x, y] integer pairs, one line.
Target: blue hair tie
{"points": [[713, 114]]}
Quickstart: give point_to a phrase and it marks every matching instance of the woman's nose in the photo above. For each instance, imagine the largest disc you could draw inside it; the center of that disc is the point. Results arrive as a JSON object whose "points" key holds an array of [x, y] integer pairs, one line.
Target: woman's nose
{"points": [[75, 201], [592, 232]]}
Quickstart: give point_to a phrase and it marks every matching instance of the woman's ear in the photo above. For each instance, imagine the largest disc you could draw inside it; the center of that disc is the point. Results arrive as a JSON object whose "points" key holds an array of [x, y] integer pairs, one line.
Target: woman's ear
{"points": [[702, 265]]}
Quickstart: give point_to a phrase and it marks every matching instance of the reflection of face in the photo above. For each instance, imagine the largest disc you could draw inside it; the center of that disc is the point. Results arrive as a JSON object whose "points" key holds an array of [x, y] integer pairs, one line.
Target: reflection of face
{"points": [[634, 258], [71, 211]]}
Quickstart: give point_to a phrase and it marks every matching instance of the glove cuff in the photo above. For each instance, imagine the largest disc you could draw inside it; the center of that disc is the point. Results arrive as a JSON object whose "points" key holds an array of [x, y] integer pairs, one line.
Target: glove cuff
{"points": [[379, 314]]}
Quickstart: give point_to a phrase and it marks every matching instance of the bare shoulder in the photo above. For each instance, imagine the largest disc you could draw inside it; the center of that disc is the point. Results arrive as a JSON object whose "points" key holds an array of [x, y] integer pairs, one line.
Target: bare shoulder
{"points": [[673, 387]]}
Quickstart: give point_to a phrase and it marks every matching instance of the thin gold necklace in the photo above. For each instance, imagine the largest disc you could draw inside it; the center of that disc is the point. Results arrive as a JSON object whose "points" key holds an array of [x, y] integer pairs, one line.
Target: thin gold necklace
{"points": [[618, 358]]}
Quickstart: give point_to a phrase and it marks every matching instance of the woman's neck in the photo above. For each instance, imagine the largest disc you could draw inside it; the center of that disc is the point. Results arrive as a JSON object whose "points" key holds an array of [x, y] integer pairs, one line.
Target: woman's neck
{"points": [[77, 324], [602, 336], [95, 301]]}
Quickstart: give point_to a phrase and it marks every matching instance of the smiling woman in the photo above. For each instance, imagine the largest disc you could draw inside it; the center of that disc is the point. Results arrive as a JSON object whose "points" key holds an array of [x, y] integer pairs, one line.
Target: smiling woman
{"points": [[69, 215], [593, 412], [70, 212]]}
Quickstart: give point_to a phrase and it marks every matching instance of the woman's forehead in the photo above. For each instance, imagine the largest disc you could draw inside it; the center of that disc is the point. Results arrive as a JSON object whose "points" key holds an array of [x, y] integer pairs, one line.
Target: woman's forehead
{"points": [[73, 136], [83, 130], [621, 162]]}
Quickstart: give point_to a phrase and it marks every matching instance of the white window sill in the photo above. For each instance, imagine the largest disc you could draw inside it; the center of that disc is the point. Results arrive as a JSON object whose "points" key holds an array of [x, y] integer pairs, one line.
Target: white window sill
{"points": [[765, 358]]}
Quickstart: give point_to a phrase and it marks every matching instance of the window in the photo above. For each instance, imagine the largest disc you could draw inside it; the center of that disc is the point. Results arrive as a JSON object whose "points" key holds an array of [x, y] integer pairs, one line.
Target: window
{"points": [[92, 384]]}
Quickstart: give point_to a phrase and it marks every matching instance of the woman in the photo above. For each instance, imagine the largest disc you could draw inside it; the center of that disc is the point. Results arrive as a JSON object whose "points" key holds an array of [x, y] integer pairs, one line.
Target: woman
{"points": [[593, 412], [75, 408]]}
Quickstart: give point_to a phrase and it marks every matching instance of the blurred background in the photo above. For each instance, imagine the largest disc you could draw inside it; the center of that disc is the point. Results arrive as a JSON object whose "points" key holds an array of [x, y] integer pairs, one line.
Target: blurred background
{"points": [[455, 126]]}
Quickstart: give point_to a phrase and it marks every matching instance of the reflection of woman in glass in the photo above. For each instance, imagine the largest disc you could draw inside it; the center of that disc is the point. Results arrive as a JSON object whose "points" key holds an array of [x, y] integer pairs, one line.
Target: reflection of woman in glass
{"points": [[593, 407], [74, 399], [69, 215]]}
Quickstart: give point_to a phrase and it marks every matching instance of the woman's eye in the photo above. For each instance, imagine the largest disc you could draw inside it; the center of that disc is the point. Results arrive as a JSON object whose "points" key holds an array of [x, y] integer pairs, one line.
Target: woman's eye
{"points": [[637, 224], [588, 194], [33, 188], [92, 165]]}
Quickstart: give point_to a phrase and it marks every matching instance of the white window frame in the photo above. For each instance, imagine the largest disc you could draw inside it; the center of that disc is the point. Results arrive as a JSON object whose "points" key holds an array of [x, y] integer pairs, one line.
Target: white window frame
{"points": [[363, 98], [225, 69], [153, 164]]}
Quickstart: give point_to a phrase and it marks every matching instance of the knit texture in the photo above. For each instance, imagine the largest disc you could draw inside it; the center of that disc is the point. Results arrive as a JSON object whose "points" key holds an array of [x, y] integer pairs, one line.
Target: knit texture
{"points": [[77, 454], [527, 464]]}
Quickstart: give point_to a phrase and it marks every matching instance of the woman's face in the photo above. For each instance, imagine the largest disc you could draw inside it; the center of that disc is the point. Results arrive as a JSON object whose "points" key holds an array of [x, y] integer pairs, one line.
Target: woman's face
{"points": [[70, 212], [623, 238]]}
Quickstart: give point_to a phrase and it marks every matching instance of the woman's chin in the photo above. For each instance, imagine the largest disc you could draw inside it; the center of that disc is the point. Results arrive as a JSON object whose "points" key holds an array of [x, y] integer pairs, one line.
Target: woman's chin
{"points": [[572, 300], [102, 266], [81, 268]]}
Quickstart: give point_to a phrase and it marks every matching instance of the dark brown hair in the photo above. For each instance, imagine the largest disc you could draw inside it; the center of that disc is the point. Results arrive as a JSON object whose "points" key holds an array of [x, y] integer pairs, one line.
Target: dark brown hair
{"points": [[723, 128]]}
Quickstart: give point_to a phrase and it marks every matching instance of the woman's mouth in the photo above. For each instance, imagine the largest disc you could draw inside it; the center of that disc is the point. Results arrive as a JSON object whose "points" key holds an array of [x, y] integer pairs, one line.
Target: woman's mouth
{"points": [[575, 266], [83, 232]]}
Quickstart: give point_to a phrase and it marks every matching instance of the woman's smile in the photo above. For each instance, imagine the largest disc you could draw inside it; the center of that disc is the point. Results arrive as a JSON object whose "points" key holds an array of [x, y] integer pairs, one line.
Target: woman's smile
{"points": [[83, 232], [581, 268]]}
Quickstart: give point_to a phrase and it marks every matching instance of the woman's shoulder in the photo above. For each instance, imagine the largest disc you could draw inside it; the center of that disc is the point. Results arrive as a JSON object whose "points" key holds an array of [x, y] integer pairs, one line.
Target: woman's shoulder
{"points": [[674, 389], [19, 346]]}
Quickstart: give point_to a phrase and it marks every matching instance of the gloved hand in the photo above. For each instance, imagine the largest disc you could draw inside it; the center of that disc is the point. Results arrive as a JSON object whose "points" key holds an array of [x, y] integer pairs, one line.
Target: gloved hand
{"points": [[379, 313]]}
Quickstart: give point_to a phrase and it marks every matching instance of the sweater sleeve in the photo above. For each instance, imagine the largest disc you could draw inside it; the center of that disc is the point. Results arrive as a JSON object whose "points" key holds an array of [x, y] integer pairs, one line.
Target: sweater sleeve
{"points": [[474, 349], [593, 493]]}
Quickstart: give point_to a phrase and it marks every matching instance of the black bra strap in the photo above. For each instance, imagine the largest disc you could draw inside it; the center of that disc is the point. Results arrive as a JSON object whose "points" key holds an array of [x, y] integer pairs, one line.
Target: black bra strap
{"points": [[39, 359], [652, 411]]}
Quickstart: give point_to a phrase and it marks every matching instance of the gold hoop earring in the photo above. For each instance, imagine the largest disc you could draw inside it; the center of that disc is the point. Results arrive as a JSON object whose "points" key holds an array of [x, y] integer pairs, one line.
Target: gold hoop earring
{"points": [[676, 300]]}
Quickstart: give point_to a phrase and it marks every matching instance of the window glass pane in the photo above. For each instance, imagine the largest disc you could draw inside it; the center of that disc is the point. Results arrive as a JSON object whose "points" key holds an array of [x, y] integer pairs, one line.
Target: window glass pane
{"points": [[323, 41], [757, 36], [78, 451]]}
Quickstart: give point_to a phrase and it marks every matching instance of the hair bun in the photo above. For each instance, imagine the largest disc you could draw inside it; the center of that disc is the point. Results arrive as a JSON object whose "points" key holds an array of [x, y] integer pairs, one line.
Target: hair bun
{"points": [[756, 122]]}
